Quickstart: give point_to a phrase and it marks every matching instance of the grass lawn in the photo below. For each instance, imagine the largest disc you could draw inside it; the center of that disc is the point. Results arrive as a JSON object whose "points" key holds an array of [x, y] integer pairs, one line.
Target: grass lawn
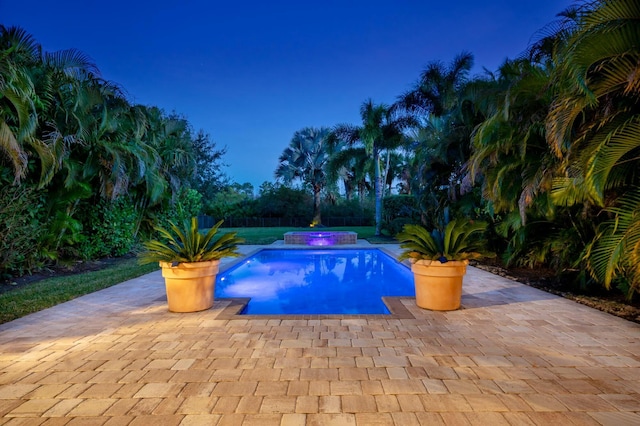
{"points": [[39, 295], [42, 294]]}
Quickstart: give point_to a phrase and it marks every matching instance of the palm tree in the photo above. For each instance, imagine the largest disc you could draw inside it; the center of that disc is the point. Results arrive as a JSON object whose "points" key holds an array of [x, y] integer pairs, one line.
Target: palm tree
{"points": [[441, 144], [438, 87], [306, 159], [594, 127], [19, 57], [510, 154], [351, 165], [381, 130]]}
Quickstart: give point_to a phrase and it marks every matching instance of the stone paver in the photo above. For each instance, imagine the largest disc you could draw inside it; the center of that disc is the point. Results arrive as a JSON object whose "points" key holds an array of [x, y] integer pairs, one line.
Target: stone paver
{"points": [[513, 355]]}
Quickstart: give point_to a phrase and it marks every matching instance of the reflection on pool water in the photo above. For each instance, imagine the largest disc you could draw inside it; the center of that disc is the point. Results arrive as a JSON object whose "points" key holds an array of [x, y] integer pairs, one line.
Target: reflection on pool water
{"points": [[316, 281]]}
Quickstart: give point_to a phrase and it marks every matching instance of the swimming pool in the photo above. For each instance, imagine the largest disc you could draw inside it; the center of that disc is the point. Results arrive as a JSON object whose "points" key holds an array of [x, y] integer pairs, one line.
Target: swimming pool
{"points": [[333, 281]]}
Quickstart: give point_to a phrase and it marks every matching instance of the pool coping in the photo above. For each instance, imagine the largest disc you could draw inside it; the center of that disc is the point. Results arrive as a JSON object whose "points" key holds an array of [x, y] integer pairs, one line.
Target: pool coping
{"points": [[237, 304]]}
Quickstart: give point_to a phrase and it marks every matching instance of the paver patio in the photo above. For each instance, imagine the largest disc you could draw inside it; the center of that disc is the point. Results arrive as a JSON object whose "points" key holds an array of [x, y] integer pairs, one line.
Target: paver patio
{"points": [[513, 355]]}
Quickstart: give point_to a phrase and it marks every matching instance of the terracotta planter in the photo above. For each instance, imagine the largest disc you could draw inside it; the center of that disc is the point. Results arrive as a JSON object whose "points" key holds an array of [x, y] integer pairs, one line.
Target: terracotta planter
{"points": [[439, 285], [190, 286]]}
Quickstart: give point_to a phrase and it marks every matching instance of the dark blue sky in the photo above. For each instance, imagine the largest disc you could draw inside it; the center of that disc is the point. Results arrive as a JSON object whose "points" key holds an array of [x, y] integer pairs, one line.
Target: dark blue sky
{"points": [[251, 73]]}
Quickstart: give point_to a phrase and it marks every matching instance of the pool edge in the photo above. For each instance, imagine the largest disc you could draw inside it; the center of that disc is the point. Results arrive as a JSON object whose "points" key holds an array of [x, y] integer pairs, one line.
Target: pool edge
{"points": [[237, 304]]}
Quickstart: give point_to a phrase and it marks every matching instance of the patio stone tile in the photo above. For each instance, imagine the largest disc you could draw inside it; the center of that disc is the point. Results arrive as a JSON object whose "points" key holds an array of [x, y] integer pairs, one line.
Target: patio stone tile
{"points": [[342, 362], [387, 403], [541, 402], [358, 404], [118, 421], [86, 421], [156, 406], [298, 388], [16, 390], [348, 374], [289, 374], [441, 373], [375, 419], [616, 418], [234, 388], [319, 363], [514, 386], [316, 374], [460, 387], [223, 404], [164, 420], [487, 418], [307, 404], [249, 404], [371, 387], [345, 387], [158, 390], [320, 387], [409, 386], [119, 408], [410, 403], [91, 407], [585, 403], [73, 391], [62, 408], [435, 386], [293, 420], [397, 373], [455, 419], [513, 402], [331, 419], [484, 402], [329, 404], [225, 375], [512, 355], [438, 403], [518, 419], [428, 419], [198, 405], [272, 388]]}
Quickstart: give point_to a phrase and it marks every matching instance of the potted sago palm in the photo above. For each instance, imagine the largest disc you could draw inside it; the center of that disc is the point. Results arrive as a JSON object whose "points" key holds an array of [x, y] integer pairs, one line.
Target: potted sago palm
{"points": [[439, 260], [190, 260]]}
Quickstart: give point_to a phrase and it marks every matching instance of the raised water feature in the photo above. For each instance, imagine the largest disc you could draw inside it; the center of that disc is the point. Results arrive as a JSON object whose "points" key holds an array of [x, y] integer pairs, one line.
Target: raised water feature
{"points": [[320, 238]]}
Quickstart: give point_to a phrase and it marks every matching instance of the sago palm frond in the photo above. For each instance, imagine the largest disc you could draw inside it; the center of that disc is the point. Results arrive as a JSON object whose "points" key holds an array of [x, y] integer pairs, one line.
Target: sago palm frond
{"points": [[615, 251], [187, 244]]}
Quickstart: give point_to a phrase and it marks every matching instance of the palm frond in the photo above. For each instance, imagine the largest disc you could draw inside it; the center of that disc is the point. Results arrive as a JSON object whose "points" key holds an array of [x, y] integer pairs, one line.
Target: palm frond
{"points": [[187, 244]]}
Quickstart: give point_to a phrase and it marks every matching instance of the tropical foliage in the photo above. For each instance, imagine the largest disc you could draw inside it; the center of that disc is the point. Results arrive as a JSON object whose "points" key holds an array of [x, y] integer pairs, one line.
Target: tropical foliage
{"points": [[545, 150], [460, 240], [306, 159], [188, 244], [380, 133], [84, 172]]}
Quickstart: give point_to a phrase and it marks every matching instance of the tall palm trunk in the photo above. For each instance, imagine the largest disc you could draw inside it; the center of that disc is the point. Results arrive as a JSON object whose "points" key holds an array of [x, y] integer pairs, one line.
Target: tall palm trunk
{"points": [[317, 219], [378, 190]]}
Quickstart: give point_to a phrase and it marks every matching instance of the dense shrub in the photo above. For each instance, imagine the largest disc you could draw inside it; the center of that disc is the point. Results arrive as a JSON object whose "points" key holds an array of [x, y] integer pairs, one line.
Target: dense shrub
{"points": [[187, 204], [108, 228], [281, 201], [21, 212], [347, 208], [398, 210], [230, 203]]}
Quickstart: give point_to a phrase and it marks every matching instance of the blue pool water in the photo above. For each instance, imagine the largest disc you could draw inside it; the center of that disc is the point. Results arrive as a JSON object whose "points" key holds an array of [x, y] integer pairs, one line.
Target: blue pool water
{"points": [[316, 281]]}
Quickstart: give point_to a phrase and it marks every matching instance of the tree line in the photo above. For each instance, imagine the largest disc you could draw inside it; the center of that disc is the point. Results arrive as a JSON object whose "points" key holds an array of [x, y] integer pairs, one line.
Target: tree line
{"points": [[83, 171], [546, 148]]}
